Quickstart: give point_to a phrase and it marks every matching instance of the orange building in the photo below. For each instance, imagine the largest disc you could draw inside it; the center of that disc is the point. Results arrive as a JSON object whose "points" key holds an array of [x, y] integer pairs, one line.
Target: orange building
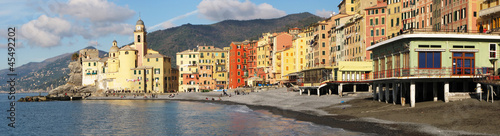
{"points": [[236, 65]]}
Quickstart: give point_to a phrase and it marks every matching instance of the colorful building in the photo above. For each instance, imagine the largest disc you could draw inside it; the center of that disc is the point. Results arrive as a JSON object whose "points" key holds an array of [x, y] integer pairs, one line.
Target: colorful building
{"points": [[236, 65], [489, 16], [187, 62], [132, 68]]}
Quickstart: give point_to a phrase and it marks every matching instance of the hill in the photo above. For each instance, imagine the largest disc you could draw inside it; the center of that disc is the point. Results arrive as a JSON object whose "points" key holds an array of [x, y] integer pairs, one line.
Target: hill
{"points": [[44, 75], [221, 34]]}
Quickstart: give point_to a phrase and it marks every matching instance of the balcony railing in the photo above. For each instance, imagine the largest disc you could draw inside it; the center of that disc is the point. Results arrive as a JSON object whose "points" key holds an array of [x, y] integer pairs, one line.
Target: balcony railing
{"points": [[424, 72]]}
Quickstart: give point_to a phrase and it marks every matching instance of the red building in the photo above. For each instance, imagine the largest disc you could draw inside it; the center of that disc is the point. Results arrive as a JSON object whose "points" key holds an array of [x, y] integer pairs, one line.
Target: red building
{"points": [[251, 59], [237, 55], [375, 25]]}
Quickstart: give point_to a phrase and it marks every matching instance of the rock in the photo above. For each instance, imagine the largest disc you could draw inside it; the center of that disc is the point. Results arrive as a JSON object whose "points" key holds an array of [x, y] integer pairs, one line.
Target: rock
{"points": [[75, 74]]}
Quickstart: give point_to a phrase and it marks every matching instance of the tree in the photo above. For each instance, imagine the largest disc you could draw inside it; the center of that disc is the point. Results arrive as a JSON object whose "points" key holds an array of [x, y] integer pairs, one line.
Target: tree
{"points": [[74, 56]]}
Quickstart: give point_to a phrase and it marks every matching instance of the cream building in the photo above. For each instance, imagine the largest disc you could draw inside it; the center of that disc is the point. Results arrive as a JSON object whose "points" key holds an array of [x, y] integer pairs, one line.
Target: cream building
{"points": [[131, 68]]}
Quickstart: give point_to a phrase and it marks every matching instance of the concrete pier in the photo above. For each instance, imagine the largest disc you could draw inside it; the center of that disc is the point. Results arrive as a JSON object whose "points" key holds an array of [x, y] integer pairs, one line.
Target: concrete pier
{"points": [[379, 92], [354, 88], [395, 89], [434, 91], [386, 91], [340, 89], [446, 91], [317, 90], [412, 94]]}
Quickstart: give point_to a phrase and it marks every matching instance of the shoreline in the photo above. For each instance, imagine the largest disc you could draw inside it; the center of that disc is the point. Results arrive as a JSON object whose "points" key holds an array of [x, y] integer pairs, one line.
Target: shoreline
{"points": [[334, 121], [336, 112]]}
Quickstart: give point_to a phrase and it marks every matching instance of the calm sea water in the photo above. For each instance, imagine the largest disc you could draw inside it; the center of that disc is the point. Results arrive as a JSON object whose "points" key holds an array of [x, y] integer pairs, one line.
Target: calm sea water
{"points": [[148, 117]]}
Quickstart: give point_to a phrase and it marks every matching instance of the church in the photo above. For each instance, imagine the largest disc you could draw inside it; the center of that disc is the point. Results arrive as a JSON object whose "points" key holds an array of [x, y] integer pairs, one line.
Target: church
{"points": [[132, 68]]}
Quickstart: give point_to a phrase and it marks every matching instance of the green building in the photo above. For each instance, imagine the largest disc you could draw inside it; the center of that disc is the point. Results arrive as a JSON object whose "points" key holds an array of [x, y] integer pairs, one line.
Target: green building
{"points": [[431, 66]]}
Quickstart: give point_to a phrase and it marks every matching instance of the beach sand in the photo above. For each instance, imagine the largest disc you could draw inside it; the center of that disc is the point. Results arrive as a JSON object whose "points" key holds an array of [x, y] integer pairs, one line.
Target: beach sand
{"points": [[358, 112]]}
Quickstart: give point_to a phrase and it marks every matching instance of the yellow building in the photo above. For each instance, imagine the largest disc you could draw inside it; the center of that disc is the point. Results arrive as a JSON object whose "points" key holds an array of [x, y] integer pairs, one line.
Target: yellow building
{"points": [[393, 18], [188, 70], [203, 68], [132, 68]]}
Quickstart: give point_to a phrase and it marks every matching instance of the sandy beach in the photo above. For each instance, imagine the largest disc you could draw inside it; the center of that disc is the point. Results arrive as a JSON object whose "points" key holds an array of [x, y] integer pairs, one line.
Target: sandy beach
{"points": [[358, 112]]}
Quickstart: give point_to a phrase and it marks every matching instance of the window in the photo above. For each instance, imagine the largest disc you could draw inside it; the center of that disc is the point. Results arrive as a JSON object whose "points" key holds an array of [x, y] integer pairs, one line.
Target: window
{"points": [[376, 21], [148, 59], [383, 10], [429, 59], [94, 63], [138, 38], [323, 44], [392, 23], [371, 21], [493, 50], [352, 8], [156, 59], [383, 21], [323, 36], [323, 52], [377, 32], [383, 31], [371, 32]]}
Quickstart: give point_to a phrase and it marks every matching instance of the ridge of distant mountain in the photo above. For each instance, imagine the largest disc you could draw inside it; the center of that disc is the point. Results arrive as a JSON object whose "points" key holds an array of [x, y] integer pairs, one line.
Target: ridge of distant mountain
{"points": [[221, 34]]}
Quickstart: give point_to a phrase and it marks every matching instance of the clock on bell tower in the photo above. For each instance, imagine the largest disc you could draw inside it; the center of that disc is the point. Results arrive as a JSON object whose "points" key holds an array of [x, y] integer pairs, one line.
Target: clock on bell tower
{"points": [[140, 41]]}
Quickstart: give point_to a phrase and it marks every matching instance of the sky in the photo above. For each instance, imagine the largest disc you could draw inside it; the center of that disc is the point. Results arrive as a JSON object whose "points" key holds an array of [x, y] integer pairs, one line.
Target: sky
{"points": [[48, 28]]}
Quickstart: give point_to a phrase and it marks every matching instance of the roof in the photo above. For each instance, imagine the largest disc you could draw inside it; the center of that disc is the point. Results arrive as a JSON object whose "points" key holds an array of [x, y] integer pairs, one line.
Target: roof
{"points": [[236, 43], [127, 48], [436, 35], [213, 49], [103, 59], [142, 68], [379, 5], [154, 56], [91, 60]]}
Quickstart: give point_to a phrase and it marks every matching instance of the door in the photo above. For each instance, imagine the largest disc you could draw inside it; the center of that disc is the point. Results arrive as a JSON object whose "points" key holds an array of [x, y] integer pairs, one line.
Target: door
{"points": [[463, 63]]}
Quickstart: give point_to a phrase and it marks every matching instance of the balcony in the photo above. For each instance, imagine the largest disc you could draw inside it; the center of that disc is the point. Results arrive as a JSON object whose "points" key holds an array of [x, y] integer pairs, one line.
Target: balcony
{"points": [[489, 11], [402, 73]]}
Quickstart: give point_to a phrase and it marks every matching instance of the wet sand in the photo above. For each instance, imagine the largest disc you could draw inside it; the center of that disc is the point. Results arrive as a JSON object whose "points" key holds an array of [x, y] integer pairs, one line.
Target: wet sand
{"points": [[357, 112], [468, 115]]}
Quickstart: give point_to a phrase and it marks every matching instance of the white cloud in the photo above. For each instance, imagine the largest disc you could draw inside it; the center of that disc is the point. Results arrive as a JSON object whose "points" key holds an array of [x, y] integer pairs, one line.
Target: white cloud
{"points": [[87, 18], [94, 43], [219, 10], [94, 10], [323, 13], [46, 31], [169, 23]]}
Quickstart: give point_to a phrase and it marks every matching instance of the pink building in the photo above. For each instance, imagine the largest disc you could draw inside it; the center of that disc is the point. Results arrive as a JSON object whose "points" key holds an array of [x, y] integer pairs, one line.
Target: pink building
{"points": [[375, 25]]}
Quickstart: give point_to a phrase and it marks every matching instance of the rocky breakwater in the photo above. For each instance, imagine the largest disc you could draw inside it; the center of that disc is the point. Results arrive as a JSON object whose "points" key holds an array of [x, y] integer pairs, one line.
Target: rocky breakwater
{"points": [[72, 90], [73, 87]]}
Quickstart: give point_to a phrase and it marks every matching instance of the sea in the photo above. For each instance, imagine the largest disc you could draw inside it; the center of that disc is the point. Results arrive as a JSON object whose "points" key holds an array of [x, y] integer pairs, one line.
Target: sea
{"points": [[150, 117]]}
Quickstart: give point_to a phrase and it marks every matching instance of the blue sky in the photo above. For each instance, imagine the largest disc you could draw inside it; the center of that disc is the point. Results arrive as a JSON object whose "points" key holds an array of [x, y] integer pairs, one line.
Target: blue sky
{"points": [[47, 28]]}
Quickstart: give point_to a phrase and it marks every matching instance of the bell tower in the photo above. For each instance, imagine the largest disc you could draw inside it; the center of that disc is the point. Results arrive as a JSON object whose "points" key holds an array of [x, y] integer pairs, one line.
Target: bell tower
{"points": [[140, 41]]}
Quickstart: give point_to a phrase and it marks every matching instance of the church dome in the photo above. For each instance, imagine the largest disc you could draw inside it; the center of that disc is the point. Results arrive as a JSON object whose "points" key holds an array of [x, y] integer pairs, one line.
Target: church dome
{"points": [[139, 22], [114, 48]]}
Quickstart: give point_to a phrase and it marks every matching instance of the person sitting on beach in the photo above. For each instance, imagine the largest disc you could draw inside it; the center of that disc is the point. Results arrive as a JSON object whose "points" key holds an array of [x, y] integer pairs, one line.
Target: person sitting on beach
{"points": [[206, 98], [213, 99]]}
